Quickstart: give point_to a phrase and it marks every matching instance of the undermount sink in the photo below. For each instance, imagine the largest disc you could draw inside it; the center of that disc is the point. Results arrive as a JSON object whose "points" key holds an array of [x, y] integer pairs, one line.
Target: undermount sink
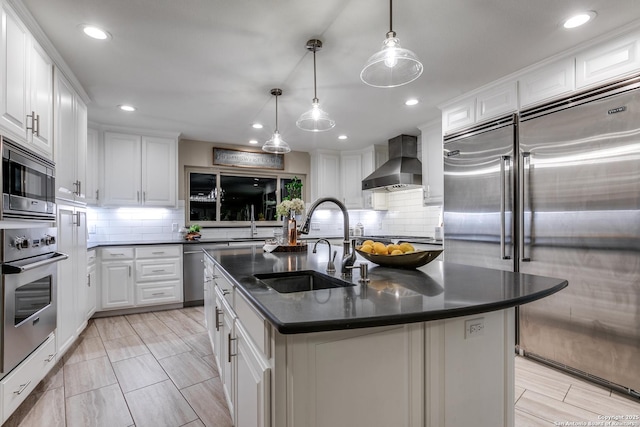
{"points": [[300, 281]]}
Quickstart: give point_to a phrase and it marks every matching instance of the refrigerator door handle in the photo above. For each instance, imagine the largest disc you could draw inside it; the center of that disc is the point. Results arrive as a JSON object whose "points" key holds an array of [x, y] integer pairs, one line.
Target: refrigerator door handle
{"points": [[503, 193], [524, 182]]}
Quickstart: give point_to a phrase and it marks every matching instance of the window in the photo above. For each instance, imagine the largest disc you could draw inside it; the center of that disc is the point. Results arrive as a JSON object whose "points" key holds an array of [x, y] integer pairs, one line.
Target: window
{"points": [[220, 197]]}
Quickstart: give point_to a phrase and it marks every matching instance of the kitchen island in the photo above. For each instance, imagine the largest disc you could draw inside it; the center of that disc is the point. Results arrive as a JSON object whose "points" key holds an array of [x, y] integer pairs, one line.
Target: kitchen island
{"points": [[427, 347]]}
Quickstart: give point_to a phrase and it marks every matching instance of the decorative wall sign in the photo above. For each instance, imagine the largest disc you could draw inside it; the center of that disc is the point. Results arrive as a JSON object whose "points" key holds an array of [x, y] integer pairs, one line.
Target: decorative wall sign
{"points": [[247, 159]]}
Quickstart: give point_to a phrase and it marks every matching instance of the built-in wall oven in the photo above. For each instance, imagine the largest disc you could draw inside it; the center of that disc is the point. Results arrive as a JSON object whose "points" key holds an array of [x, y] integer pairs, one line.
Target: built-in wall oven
{"points": [[28, 184], [29, 289]]}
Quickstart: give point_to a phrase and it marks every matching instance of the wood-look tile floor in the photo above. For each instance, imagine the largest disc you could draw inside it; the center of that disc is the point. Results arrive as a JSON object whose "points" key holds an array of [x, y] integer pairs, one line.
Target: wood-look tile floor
{"points": [[157, 369]]}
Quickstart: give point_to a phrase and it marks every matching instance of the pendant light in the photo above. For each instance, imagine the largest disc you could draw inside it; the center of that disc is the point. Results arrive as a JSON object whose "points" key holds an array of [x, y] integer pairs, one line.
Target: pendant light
{"points": [[276, 144], [316, 119], [392, 66]]}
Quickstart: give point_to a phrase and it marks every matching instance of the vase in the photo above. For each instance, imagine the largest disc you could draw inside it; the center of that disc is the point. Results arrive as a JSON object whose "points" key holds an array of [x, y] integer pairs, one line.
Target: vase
{"points": [[292, 230]]}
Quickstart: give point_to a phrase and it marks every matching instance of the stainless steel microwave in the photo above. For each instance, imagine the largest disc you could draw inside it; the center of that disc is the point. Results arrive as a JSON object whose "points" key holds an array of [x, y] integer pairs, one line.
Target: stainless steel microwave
{"points": [[28, 184]]}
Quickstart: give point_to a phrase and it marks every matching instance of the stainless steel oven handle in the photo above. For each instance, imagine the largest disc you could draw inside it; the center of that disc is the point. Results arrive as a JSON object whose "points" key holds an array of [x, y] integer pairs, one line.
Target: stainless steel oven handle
{"points": [[15, 269]]}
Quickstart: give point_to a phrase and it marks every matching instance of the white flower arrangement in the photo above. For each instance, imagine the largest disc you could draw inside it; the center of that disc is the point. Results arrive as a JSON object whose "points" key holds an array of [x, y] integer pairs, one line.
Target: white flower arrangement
{"points": [[286, 206]]}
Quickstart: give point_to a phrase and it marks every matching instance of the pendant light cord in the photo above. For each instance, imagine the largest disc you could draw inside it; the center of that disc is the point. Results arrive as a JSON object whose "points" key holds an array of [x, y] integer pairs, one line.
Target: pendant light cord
{"points": [[390, 16], [276, 113], [315, 92]]}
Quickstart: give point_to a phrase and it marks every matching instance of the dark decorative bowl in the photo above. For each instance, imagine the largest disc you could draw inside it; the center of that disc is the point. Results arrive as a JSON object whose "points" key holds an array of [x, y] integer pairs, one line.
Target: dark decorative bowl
{"points": [[413, 259]]}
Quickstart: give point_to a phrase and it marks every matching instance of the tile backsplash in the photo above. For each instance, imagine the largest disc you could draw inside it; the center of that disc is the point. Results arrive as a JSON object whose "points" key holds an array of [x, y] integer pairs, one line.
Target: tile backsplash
{"points": [[405, 217]]}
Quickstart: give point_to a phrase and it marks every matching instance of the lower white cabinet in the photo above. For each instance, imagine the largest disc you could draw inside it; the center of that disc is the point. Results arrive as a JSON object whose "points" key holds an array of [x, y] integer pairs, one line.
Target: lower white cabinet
{"points": [[73, 296], [140, 276], [19, 383], [92, 284]]}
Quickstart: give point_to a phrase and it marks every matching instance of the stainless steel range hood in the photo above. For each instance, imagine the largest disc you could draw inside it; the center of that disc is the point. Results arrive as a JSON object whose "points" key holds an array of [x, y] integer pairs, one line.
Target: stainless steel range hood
{"points": [[403, 170]]}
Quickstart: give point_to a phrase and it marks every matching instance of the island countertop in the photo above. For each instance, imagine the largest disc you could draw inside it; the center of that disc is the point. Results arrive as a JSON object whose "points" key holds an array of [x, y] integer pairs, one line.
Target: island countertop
{"points": [[438, 290]]}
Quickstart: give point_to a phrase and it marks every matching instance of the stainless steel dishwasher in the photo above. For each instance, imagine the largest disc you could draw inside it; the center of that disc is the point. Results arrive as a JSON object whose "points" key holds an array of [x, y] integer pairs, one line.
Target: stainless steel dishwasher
{"points": [[193, 271]]}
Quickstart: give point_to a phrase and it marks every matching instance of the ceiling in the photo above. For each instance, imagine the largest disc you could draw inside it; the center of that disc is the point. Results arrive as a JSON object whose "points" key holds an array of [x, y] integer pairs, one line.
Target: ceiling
{"points": [[204, 68]]}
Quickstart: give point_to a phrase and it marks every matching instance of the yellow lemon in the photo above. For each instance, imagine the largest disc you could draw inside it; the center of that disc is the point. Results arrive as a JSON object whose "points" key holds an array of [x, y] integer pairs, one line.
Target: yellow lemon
{"points": [[367, 242], [380, 248], [397, 252], [367, 248], [406, 247], [391, 247]]}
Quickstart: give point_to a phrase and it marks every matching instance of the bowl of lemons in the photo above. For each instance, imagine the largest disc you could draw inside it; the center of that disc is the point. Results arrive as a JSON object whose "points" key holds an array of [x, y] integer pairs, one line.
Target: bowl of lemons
{"points": [[402, 255]]}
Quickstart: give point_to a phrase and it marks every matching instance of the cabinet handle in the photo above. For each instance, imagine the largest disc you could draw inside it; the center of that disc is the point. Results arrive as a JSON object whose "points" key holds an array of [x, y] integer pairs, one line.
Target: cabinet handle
{"points": [[38, 125], [78, 216], [144, 196], [98, 194], [157, 293], [117, 254], [157, 253], [157, 271], [79, 188], [129, 271], [226, 291], [22, 388], [33, 122], [229, 347], [137, 196], [217, 319], [75, 219], [89, 280], [51, 357]]}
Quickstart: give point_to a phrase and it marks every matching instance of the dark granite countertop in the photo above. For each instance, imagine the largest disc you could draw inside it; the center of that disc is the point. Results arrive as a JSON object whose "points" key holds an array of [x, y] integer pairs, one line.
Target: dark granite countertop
{"points": [[438, 290]]}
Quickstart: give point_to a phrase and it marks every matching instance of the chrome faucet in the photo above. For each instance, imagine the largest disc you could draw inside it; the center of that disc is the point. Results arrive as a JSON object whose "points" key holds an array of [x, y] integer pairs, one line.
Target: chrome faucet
{"points": [[331, 268], [349, 254]]}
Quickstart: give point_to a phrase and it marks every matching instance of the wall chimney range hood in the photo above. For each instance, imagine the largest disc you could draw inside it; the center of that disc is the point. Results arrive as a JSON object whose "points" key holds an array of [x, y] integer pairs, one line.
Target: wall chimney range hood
{"points": [[403, 170]]}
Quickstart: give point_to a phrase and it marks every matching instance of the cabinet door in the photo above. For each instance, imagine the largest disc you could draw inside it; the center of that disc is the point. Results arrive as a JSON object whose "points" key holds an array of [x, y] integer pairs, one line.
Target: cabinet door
{"points": [[81, 149], [351, 176], [159, 166], [252, 383], [14, 85], [91, 184], [41, 75], [432, 164], [92, 295], [65, 149], [67, 295], [80, 268], [459, 115], [122, 185], [325, 174], [116, 282]]}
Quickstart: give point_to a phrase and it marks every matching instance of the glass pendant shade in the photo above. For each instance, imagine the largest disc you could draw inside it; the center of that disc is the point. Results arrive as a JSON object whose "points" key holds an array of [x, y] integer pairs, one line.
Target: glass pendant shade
{"points": [[392, 66], [276, 144], [316, 119]]}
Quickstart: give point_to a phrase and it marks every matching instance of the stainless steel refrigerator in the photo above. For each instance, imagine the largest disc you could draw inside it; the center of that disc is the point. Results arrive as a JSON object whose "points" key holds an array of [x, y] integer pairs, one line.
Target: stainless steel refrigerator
{"points": [[556, 192]]}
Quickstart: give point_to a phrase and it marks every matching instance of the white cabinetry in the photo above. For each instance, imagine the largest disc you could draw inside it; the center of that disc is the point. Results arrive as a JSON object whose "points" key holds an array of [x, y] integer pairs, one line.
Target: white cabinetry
{"points": [[325, 174], [72, 279], [432, 164], [19, 383], [26, 92], [71, 142], [608, 60], [550, 81], [351, 177], [139, 170], [140, 276], [459, 115], [92, 168], [116, 278], [92, 284]]}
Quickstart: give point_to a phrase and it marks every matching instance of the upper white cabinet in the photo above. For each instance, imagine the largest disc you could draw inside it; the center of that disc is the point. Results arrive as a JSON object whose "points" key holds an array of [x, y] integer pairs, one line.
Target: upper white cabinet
{"points": [[26, 86], [552, 80], [432, 165], [139, 170], [90, 189], [459, 115], [351, 177], [70, 142], [496, 101], [325, 174], [608, 60]]}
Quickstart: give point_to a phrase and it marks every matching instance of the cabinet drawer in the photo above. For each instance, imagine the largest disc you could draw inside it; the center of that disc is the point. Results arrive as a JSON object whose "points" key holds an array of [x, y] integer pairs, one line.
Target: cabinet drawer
{"points": [[21, 381], [225, 287], [158, 293], [159, 251], [254, 324], [116, 253], [158, 269]]}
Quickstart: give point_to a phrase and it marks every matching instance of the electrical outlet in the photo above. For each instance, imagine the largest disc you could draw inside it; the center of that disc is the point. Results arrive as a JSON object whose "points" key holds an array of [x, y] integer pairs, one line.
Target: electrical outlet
{"points": [[92, 229], [174, 227], [474, 327]]}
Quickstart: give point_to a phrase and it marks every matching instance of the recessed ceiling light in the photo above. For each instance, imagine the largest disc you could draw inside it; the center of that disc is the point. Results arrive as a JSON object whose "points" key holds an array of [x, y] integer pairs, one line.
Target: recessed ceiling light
{"points": [[412, 101], [127, 108], [342, 137], [579, 19], [95, 32], [257, 126], [253, 141]]}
